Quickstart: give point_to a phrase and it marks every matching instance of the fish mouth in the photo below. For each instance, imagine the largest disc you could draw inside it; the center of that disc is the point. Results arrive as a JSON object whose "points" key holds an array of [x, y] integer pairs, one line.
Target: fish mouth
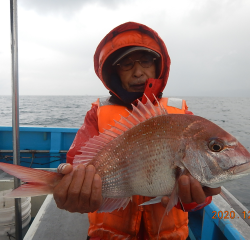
{"points": [[241, 169]]}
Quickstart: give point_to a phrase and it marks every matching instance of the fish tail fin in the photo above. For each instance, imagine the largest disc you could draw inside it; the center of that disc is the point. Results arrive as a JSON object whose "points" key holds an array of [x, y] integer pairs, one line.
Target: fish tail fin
{"points": [[30, 190], [36, 182]]}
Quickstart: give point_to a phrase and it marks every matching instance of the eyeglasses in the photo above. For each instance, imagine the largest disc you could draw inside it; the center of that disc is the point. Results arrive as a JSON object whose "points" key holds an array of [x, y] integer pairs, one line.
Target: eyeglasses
{"points": [[145, 61]]}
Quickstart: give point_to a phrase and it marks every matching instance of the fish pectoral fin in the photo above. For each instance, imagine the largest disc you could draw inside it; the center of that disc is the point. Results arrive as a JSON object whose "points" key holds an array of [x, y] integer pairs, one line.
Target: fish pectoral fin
{"points": [[111, 204], [152, 201], [173, 199], [30, 190]]}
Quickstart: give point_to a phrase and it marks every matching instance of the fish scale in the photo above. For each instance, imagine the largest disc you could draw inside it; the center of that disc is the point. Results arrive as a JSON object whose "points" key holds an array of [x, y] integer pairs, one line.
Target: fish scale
{"points": [[156, 177]]}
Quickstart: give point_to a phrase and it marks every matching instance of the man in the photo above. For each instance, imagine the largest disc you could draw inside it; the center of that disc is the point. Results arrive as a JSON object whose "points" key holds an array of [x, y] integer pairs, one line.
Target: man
{"points": [[131, 60]]}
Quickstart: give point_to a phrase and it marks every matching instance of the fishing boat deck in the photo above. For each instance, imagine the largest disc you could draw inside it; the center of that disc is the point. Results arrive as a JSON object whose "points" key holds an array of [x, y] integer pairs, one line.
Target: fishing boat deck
{"points": [[54, 224], [49, 221]]}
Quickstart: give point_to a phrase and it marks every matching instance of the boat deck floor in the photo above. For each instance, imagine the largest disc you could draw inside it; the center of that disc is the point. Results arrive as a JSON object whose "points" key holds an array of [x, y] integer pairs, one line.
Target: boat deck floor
{"points": [[48, 223], [51, 222]]}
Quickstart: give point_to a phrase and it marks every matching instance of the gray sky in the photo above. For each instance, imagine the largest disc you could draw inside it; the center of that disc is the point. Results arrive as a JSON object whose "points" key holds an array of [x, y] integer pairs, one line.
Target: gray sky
{"points": [[208, 42]]}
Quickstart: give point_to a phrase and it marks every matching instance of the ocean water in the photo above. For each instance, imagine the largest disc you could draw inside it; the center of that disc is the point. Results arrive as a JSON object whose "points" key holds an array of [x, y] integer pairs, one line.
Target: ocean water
{"points": [[232, 114]]}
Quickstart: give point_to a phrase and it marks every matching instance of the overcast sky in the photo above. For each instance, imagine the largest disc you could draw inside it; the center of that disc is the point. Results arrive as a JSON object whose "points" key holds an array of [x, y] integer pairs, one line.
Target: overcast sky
{"points": [[208, 42]]}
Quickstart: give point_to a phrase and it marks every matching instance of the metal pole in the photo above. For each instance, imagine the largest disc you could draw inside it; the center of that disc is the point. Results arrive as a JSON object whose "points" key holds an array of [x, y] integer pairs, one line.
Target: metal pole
{"points": [[15, 112]]}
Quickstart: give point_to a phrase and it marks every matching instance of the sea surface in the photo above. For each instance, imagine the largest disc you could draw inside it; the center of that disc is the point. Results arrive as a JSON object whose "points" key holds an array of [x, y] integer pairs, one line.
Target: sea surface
{"points": [[232, 114]]}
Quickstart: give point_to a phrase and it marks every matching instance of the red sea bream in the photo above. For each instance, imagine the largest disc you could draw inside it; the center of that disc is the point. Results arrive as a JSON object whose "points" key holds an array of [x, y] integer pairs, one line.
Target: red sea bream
{"points": [[145, 153]]}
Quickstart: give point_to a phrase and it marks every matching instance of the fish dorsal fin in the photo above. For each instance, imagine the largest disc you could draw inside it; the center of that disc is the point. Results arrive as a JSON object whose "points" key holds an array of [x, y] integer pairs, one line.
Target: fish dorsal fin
{"points": [[139, 114]]}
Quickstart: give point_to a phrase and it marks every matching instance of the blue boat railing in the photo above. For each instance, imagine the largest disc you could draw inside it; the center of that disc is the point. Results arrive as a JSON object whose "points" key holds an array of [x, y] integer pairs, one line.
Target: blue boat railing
{"points": [[40, 147], [220, 220]]}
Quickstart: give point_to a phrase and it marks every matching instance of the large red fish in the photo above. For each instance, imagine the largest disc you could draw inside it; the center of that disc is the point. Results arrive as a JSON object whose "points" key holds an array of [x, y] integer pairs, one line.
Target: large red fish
{"points": [[144, 154]]}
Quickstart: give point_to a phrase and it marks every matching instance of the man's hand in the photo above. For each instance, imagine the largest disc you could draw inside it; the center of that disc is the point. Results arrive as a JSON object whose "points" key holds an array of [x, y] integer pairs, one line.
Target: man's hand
{"points": [[79, 190], [190, 190]]}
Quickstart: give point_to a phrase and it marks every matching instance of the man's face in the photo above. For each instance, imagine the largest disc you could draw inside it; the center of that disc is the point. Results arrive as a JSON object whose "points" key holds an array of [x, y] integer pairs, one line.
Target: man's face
{"points": [[134, 80]]}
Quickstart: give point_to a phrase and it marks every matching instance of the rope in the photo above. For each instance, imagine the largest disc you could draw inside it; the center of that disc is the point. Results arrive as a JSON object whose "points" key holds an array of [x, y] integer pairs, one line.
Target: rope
{"points": [[8, 159]]}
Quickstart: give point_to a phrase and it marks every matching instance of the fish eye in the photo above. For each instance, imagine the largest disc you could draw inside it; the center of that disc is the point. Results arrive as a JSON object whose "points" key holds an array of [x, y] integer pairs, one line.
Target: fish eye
{"points": [[215, 145]]}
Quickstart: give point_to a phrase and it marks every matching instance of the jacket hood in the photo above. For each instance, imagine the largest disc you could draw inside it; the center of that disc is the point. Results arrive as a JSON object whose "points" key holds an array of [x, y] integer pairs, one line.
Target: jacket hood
{"points": [[127, 35]]}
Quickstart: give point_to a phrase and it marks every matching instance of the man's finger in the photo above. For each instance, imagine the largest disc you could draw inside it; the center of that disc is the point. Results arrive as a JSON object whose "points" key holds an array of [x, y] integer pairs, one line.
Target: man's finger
{"points": [[75, 189], [211, 191], [164, 201], [87, 186], [61, 190], [197, 192], [184, 189], [64, 168], [96, 193]]}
